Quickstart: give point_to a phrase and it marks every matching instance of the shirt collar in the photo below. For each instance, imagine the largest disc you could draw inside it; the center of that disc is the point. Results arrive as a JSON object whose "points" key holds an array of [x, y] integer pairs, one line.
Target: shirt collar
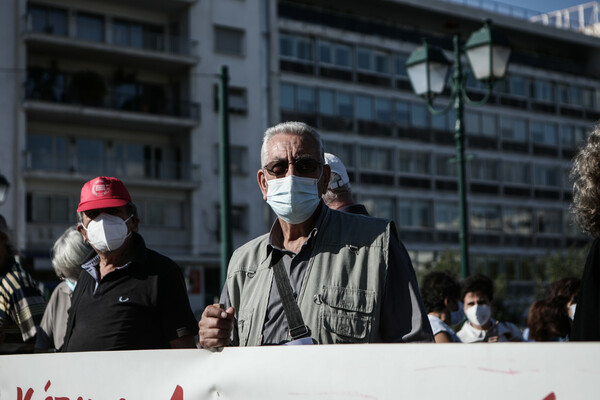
{"points": [[276, 234], [137, 255]]}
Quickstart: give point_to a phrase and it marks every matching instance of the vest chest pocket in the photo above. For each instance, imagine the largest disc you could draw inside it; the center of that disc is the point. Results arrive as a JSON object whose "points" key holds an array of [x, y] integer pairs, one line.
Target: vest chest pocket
{"points": [[347, 314]]}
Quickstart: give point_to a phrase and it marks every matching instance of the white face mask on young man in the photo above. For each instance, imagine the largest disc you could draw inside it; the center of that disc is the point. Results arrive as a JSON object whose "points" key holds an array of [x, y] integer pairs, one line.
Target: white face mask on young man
{"points": [[293, 198], [107, 232], [479, 314]]}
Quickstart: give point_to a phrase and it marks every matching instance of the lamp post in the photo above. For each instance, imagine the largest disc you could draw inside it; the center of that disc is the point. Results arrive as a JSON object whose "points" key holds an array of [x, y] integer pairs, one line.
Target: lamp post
{"points": [[4, 185], [488, 52]]}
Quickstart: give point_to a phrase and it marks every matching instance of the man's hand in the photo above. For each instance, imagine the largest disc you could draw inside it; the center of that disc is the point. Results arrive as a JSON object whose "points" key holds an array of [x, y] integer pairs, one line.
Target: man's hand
{"points": [[215, 327]]}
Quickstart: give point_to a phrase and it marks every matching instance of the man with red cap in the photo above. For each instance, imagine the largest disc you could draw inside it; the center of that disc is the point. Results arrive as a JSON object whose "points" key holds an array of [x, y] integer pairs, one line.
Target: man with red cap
{"points": [[128, 297]]}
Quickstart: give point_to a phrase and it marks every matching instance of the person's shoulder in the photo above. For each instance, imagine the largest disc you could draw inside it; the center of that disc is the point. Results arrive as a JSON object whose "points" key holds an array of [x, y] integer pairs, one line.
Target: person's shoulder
{"points": [[254, 247]]}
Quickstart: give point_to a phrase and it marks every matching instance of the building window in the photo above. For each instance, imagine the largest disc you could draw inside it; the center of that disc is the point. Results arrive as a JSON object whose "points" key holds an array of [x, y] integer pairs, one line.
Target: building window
{"points": [[402, 111], [372, 61], [544, 133], [229, 41], [445, 165], [239, 219], [48, 20], [383, 110], [50, 208], [364, 108], [90, 27], [513, 129], [380, 207], [139, 36], [375, 158], [542, 90], [90, 155], [446, 215], [517, 220], [546, 176], [413, 162], [335, 54], [343, 151], [516, 172], [296, 47], [326, 102], [485, 218], [418, 117], [548, 221], [47, 153], [237, 100], [399, 62], [414, 213], [238, 160], [572, 136], [297, 98], [161, 213], [482, 169]]}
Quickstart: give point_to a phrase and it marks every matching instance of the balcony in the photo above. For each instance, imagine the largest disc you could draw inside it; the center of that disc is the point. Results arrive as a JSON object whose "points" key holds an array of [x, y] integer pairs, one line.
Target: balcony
{"points": [[141, 47], [84, 97], [70, 166]]}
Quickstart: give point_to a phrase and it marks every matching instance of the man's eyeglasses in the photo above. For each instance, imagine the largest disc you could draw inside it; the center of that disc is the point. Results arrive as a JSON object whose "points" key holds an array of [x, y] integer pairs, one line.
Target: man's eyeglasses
{"points": [[302, 166]]}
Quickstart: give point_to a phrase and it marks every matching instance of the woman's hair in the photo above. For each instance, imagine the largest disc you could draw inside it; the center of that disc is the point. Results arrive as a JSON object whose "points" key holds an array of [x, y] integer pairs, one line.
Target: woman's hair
{"points": [[548, 319], [566, 288], [586, 185], [436, 286], [478, 283], [68, 253]]}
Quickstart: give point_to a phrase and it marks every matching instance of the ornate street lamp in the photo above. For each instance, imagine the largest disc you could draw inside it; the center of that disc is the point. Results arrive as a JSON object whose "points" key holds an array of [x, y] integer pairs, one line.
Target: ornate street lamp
{"points": [[488, 52], [4, 185]]}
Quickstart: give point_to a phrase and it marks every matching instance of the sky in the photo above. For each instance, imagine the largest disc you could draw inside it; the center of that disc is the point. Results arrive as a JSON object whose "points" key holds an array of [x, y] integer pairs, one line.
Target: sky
{"points": [[544, 5]]}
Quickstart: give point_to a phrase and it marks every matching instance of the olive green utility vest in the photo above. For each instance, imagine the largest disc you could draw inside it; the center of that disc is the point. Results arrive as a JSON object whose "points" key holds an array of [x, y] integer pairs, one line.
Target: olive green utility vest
{"points": [[340, 297]]}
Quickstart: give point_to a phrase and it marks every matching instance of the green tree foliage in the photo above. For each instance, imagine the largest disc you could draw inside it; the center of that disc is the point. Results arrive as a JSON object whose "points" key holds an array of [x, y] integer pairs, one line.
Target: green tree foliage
{"points": [[560, 264]]}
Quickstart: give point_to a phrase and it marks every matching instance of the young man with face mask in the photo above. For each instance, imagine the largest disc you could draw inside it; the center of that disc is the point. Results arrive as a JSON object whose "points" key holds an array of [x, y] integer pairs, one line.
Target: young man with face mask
{"points": [[348, 275], [477, 296], [128, 297]]}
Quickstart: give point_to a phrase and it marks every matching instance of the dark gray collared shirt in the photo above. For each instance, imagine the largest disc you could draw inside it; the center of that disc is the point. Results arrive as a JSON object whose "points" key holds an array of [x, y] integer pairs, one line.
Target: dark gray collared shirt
{"points": [[400, 298]]}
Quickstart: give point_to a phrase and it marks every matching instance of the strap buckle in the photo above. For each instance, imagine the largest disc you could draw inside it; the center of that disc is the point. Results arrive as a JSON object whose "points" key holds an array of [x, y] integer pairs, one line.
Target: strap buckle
{"points": [[299, 332]]}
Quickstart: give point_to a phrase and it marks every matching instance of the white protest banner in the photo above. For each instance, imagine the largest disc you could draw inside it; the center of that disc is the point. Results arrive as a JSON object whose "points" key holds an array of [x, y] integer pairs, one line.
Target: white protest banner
{"points": [[532, 371]]}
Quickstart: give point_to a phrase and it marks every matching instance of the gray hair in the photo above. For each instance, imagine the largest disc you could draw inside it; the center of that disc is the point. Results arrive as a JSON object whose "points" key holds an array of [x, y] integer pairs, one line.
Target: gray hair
{"points": [[68, 253], [586, 183], [5, 231], [291, 128]]}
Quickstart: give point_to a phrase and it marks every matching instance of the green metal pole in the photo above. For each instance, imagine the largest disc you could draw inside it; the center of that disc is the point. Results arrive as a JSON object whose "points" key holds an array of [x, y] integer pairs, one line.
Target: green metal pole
{"points": [[224, 172], [459, 137]]}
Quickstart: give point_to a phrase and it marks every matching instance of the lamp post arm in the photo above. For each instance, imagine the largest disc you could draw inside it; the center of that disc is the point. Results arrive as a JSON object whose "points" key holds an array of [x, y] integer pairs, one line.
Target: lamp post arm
{"points": [[443, 110], [476, 103]]}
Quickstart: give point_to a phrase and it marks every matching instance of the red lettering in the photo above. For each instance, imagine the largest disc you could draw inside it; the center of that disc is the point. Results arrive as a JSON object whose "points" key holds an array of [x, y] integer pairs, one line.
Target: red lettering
{"points": [[47, 385], [27, 395], [178, 393]]}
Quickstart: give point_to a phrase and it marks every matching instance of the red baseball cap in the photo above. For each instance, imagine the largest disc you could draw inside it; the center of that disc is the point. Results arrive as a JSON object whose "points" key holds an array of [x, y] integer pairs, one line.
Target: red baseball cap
{"points": [[103, 192]]}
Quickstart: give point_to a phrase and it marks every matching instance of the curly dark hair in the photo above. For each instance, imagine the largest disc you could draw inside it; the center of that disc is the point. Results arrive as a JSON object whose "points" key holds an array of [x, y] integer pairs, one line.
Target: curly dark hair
{"points": [[436, 286], [548, 319], [478, 283], [585, 174]]}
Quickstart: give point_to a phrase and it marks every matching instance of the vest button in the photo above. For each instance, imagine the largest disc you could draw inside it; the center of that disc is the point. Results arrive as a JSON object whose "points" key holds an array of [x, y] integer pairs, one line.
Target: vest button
{"points": [[317, 299]]}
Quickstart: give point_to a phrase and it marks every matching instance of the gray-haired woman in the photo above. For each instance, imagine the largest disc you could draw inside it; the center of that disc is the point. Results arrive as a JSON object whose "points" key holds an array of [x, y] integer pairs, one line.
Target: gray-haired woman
{"points": [[68, 253], [586, 208]]}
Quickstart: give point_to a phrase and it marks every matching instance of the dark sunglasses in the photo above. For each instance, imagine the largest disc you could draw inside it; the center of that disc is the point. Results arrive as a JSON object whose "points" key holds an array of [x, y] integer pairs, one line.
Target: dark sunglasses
{"points": [[302, 166]]}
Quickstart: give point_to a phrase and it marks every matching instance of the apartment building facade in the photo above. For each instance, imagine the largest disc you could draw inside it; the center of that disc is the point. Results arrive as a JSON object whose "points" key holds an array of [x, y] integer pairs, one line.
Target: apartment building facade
{"points": [[128, 88]]}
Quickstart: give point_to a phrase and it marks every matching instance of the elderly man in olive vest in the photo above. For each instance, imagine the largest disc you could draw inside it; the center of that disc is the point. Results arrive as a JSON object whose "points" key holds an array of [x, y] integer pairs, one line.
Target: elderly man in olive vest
{"points": [[338, 277]]}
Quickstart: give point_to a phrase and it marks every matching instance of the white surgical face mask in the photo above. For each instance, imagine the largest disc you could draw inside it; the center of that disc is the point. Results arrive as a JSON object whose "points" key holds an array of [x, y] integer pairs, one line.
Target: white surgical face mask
{"points": [[294, 199], [479, 315], [456, 317], [107, 232], [71, 284]]}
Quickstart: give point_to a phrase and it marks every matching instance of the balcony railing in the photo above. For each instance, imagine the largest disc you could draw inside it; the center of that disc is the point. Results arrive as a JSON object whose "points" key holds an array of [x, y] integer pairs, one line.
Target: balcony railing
{"points": [[146, 40], [89, 90], [149, 169]]}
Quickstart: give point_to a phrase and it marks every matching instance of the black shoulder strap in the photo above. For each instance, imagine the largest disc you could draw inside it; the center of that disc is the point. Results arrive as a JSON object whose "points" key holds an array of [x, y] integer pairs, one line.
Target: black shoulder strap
{"points": [[296, 324]]}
